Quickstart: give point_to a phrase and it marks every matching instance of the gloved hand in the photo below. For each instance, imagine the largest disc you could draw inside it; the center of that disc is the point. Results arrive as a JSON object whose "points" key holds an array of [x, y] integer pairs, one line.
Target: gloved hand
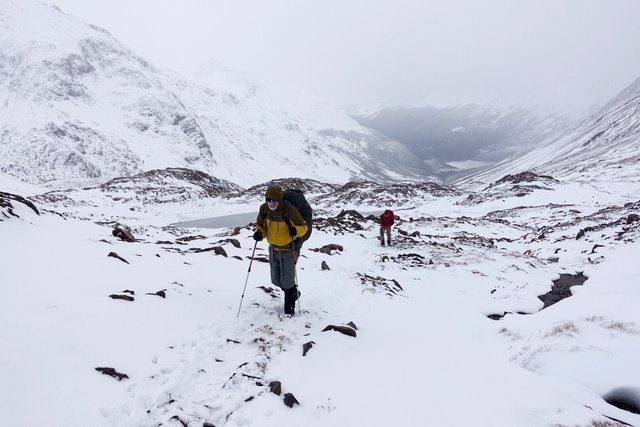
{"points": [[292, 231], [257, 236]]}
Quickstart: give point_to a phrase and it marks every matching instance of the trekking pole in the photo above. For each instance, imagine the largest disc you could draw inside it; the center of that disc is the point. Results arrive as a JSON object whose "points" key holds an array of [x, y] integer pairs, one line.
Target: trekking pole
{"points": [[247, 280]]}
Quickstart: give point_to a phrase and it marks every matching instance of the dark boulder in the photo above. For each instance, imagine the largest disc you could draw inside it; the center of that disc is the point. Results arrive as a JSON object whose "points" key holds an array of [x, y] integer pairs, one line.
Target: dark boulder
{"points": [[113, 373], [290, 400]]}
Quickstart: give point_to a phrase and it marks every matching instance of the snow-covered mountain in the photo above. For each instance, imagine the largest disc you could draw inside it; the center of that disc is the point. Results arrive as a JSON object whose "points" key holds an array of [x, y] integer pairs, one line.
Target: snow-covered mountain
{"points": [[516, 305], [77, 104], [604, 147], [452, 140]]}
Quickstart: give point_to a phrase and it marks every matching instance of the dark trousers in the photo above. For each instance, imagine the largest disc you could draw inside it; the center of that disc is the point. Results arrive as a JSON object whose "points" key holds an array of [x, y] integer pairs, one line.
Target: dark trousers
{"points": [[384, 230], [283, 275], [283, 269]]}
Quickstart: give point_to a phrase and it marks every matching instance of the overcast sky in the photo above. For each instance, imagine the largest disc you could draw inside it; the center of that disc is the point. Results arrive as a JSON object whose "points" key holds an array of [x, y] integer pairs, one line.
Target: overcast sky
{"points": [[561, 52]]}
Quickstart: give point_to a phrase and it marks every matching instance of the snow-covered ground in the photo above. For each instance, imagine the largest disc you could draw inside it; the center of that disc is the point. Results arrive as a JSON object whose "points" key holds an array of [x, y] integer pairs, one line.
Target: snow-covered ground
{"points": [[426, 353]]}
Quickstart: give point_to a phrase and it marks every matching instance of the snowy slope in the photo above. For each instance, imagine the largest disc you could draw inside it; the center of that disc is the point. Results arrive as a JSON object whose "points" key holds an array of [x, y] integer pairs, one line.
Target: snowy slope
{"points": [[603, 148], [77, 104], [426, 351]]}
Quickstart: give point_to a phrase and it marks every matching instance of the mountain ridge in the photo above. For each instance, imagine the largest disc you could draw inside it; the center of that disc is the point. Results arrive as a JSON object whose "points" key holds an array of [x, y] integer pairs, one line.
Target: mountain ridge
{"points": [[604, 147], [77, 104]]}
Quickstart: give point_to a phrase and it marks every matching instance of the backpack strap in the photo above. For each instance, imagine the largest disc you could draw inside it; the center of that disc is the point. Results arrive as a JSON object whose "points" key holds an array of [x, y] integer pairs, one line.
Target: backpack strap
{"points": [[263, 212], [285, 213]]}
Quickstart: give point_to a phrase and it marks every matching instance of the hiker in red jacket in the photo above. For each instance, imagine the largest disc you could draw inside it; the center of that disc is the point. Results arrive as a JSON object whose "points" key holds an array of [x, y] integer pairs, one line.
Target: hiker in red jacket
{"points": [[386, 221]]}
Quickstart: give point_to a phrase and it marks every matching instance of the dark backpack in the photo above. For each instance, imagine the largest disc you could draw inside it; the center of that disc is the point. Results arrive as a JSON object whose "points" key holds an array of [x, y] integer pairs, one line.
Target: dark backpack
{"points": [[387, 218], [297, 199]]}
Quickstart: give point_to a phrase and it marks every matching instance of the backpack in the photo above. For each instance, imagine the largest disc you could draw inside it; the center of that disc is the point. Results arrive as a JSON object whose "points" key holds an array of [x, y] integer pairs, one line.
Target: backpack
{"points": [[297, 199], [387, 218]]}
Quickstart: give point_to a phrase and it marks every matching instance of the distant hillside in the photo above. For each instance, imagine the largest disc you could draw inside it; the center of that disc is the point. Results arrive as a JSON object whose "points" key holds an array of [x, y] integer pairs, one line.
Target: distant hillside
{"points": [[451, 140], [604, 147]]}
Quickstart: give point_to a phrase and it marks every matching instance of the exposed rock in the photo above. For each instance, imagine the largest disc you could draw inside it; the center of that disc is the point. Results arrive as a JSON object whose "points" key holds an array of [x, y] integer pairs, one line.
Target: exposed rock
{"points": [[309, 186], [113, 373], [128, 291], [352, 325], [374, 193], [496, 316], [324, 266], [524, 177], [518, 185], [115, 255], [190, 238], [379, 284], [122, 297], [411, 259], [270, 291], [290, 400], [342, 329], [161, 293], [180, 420], [352, 214], [275, 387], [306, 347], [336, 225], [218, 250], [633, 218], [234, 242], [6, 206], [123, 233], [328, 249], [169, 185]]}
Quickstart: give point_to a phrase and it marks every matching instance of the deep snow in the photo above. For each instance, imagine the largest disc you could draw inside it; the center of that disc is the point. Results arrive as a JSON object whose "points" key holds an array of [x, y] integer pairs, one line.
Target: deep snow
{"points": [[427, 355]]}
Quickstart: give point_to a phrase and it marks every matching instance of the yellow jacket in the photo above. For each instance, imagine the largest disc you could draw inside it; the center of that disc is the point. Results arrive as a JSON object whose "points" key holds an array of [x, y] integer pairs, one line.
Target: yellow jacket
{"points": [[273, 226]]}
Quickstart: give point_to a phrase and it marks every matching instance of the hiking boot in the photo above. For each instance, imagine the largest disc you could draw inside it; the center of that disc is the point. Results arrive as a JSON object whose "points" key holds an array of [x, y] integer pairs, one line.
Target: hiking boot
{"points": [[290, 297], [382, 243], [389, 242]]}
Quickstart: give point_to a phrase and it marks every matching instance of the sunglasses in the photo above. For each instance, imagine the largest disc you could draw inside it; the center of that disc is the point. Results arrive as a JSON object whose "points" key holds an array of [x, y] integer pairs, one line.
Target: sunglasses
{"points": [[271, 200]]}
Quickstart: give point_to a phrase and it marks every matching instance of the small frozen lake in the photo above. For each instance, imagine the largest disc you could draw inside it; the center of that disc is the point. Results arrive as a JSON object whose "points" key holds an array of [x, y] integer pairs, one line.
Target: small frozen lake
{"points": [[236, 220], [225, 221]]}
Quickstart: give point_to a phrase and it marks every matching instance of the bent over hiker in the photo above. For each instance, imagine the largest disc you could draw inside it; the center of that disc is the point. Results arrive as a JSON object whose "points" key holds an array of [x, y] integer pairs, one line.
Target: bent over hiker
{"points": [[386, 221], [281, 228]]}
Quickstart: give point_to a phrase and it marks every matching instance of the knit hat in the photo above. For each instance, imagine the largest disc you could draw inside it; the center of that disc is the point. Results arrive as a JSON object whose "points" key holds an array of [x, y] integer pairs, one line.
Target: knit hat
{"points": [[275, 192]]}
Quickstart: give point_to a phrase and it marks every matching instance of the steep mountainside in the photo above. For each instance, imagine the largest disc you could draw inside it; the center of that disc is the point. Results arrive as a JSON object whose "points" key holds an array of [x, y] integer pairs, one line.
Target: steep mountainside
{"points": [[605, 147], [77, 104], [451, 140]]}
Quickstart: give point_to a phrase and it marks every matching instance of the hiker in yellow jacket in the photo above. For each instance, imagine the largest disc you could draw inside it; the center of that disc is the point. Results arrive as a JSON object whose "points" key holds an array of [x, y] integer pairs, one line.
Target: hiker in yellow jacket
{"points": [[280, 222]]}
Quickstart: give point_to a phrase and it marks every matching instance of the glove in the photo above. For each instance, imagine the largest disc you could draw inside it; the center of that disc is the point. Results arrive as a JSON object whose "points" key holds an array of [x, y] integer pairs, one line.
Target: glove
{"points": [[292, 231], [257, 236]]}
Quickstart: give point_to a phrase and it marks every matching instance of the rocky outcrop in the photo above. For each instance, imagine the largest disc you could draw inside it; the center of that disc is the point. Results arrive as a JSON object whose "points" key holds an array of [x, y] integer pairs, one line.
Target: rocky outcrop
{"points": [[8, 207]]}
